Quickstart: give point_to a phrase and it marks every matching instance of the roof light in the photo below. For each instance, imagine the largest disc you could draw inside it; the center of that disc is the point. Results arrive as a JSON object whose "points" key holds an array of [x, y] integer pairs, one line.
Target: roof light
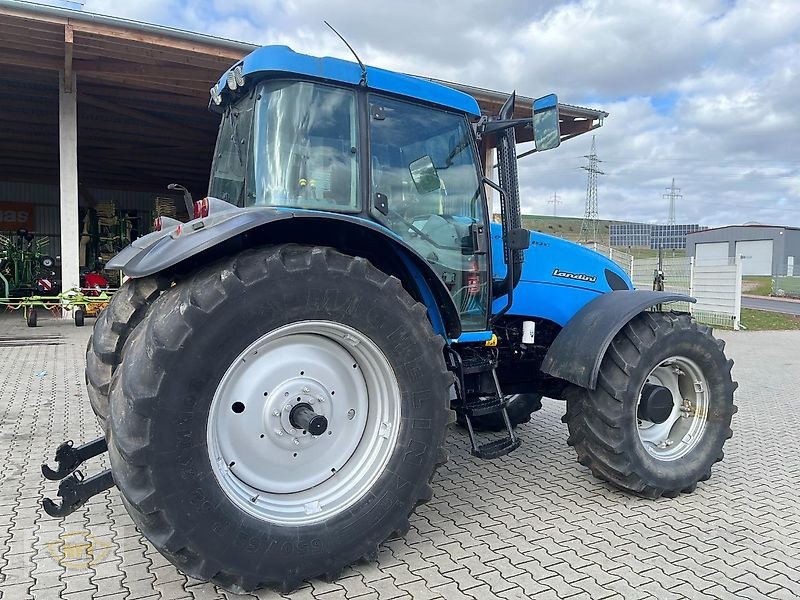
{"points": [[232, 83], [216, 98], [238, 76]]}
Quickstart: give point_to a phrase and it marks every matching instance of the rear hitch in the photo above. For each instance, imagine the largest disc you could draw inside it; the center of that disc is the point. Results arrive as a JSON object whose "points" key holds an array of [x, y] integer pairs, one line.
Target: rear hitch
{"points": [[75, 491], [70, 458]]}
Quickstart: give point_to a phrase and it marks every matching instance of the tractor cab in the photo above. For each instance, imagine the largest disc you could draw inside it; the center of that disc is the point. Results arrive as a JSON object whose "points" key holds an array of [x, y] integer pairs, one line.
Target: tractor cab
{"points": [[314, 134]]}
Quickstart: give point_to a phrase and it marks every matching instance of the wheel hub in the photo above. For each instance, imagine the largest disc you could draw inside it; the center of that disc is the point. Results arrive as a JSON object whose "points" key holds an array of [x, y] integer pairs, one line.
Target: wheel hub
{"points": [[302, 416], [656, 403]]}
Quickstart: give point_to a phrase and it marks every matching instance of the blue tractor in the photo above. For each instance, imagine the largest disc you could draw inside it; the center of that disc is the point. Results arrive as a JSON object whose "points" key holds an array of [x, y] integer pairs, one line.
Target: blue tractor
{"points": [[277, 377]]}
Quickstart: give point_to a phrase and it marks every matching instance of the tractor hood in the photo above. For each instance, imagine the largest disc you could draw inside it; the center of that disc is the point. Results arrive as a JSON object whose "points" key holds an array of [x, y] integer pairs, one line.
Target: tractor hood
{"points": [[558, 277]]}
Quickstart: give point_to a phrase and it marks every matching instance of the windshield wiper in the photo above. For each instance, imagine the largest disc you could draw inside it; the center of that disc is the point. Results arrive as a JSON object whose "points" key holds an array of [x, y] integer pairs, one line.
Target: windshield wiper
{"points": [[462, 144], [234, 135], [418, 231], [424, 235]]}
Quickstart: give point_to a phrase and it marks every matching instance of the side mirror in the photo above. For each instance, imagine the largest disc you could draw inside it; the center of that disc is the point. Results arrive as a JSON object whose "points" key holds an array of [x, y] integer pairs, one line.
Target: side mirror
{"points": [[424, 175], [546, 128]]}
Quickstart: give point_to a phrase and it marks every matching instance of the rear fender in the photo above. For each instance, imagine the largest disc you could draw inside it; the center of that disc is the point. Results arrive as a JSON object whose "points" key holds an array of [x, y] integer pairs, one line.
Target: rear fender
{"points": [[229, 229], [578, 350]]}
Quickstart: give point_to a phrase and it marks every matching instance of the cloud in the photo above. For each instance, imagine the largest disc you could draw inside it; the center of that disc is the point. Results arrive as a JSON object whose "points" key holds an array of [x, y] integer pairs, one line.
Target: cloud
{"points": [[704, 91]]}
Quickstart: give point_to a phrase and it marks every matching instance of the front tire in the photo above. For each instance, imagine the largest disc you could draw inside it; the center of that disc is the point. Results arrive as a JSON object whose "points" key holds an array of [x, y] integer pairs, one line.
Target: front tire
{"points": [[232, 492], [613, 437]]}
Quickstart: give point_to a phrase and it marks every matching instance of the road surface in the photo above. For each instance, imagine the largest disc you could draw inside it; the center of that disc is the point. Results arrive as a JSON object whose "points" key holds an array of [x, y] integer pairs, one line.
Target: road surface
{"points": [[772, 304]]}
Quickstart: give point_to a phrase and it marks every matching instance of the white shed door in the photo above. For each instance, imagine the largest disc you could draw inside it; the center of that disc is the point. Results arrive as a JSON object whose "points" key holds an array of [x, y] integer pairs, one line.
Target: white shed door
{"points": [[711, 252], [756, 257]]}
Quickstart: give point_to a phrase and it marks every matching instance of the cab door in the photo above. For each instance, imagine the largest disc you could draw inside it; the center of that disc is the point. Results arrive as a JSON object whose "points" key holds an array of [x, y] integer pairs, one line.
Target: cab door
{"points": [[425, 187]]}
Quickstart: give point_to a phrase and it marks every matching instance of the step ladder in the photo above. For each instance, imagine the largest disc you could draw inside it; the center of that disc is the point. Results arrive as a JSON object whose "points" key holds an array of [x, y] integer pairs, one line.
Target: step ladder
{"points": [[482, 404]]}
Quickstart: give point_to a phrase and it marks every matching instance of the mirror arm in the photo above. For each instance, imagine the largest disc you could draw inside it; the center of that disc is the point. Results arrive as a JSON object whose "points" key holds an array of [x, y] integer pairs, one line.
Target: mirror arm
{"points": [[527, 153], [502, 124]]}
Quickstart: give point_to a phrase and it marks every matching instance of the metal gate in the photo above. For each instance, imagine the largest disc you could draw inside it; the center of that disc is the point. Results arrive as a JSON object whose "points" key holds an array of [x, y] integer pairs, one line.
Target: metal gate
{"points": [[716, 284]]}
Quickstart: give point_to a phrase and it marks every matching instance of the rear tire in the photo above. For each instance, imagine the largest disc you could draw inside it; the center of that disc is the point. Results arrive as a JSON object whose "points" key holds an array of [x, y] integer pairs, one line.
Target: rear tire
{"points": [[79, 318], [182, 455], [606, 426], [31, 317], [112, 329]]}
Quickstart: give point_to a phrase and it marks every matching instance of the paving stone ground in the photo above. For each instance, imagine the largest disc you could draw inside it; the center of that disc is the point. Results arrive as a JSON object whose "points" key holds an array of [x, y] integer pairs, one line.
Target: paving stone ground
{"points": [[534, 524]]}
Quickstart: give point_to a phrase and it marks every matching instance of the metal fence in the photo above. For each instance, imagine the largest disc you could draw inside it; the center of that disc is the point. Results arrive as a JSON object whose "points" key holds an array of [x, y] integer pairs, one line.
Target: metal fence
{"points": [[786, 286], [787, 283], [717, 286], [623, 259]]}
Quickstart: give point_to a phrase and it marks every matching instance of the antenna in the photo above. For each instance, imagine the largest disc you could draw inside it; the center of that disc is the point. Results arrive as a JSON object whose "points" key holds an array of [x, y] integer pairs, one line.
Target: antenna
{"points": [[363, 80]]}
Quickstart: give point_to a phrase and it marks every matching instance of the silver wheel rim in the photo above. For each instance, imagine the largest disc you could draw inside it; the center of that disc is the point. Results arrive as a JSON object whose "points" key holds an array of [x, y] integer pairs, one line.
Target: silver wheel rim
{"points": [[278, 473], [686, 424]]}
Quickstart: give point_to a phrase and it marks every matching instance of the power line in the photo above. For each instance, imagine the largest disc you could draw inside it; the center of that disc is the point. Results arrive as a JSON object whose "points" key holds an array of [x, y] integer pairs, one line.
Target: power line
{"points": [[673, 194], [589, 223], [555, 201]]}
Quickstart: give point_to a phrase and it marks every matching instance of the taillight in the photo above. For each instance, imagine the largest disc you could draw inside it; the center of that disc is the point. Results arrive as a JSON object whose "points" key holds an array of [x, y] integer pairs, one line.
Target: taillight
{"points": [[157, 224], [474, 278], [201, 208]]}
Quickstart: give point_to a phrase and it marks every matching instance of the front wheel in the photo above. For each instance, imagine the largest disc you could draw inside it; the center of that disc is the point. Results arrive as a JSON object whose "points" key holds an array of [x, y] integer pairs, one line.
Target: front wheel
{"points": [[661, 412], [270, 424]]}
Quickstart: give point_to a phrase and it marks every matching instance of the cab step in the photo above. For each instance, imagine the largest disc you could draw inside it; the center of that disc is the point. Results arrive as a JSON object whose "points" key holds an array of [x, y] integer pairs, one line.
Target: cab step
{"points": [[471, 405], [497, 448], [483, 405]]}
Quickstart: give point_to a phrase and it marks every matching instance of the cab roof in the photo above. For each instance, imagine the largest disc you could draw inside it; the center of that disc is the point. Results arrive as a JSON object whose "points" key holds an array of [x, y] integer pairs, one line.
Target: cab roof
{"points": [[277, 61]]}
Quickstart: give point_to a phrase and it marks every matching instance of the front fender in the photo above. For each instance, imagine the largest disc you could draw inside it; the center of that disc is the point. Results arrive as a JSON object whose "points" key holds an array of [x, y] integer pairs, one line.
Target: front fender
{"points": [[576, 353], [164, 250]]}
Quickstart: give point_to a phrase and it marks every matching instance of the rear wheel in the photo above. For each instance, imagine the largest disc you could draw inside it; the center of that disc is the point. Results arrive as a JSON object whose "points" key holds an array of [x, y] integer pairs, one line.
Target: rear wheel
{"points": [[79, 318], [31, 318], [269, 399], [661, 412]]}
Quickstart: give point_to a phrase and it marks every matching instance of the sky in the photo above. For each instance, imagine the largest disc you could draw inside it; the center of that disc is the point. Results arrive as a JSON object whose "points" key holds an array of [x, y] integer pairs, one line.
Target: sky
{"points": [[701, 91]]}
